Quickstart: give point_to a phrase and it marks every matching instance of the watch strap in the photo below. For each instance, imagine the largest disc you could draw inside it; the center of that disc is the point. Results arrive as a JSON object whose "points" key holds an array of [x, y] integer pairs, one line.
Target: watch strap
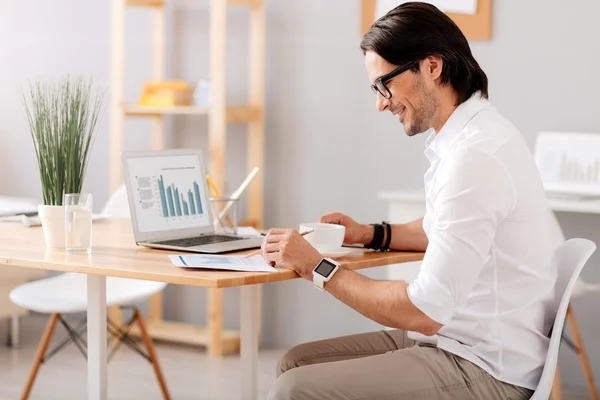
{"points": [[319, 282]]}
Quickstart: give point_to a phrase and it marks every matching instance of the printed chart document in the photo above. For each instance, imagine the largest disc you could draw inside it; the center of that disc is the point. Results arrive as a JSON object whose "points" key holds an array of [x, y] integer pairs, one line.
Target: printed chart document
{"points": [[231, 263]]}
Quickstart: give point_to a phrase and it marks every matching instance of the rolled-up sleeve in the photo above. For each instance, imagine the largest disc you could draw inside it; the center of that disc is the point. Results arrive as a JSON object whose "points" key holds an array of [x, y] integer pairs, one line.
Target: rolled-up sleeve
{"points": [[472, 196]]}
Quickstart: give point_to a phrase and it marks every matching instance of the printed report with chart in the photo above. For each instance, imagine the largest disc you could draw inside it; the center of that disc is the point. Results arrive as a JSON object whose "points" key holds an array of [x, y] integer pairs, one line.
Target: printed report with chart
{"points": [[231, 263]]}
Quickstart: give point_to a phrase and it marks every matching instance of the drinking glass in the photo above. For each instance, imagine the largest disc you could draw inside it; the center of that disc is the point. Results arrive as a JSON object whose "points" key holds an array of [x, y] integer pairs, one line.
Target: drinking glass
{"points": [[78, 223]]}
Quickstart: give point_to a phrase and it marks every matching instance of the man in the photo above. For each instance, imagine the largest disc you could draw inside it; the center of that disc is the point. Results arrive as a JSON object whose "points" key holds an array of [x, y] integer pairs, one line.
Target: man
{"points": [[474, 323]]}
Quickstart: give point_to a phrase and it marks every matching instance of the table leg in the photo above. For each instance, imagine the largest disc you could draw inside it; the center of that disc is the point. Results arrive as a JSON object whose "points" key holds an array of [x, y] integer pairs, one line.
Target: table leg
{"points": [[15, 331], [96, 337], [249, 341]]}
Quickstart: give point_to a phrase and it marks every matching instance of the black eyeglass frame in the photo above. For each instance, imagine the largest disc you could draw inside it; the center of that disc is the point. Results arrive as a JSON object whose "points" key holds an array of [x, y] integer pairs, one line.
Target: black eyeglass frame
{"points": [[380, 83]]}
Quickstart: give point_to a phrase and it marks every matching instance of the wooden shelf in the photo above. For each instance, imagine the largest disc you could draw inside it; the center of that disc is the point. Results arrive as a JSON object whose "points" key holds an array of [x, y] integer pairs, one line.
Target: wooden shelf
{"points": [[234, 113], [145, 3], [189, 334], [148, 111], [250, 3], [220, 115]]}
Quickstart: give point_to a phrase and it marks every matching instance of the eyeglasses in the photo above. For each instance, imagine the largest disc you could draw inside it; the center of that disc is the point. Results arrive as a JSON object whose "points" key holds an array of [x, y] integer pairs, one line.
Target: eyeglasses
{"points": [[380, 83]]}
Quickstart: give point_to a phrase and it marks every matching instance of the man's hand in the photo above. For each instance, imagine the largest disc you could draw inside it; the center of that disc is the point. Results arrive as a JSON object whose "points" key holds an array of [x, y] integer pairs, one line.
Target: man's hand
{"points": [[355, 232], [286, 247]]}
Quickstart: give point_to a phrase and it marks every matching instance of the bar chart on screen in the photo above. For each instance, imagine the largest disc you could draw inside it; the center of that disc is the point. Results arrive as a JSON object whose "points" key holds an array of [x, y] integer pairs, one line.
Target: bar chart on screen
{"points": [[569, 162], [174, 203], [169, 193]]}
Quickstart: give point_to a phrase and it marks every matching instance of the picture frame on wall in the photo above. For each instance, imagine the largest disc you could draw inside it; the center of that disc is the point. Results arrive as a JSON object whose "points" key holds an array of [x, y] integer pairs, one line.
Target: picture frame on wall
{"points": [[473, 17]]}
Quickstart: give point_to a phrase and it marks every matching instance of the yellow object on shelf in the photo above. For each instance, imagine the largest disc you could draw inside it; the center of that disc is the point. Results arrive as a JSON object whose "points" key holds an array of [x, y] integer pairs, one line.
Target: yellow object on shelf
{"points": [[166, 85], [167, 94]]}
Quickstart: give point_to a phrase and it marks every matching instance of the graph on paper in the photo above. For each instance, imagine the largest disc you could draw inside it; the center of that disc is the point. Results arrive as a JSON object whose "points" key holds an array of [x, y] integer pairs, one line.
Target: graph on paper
{"points": [[168, 192], [569, 162]]}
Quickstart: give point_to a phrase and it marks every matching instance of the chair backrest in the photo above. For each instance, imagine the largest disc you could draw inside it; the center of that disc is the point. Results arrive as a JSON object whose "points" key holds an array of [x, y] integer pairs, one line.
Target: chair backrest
{"points": [[570, 260], [117, 205]]}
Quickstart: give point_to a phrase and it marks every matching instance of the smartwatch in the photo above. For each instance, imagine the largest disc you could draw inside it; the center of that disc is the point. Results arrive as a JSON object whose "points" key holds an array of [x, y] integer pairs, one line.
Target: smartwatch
{"points": [[324, 272]]}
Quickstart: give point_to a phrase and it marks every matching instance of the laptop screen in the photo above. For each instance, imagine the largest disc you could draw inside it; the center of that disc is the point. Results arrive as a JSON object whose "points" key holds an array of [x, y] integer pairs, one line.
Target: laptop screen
{"points": [[168, 192]]}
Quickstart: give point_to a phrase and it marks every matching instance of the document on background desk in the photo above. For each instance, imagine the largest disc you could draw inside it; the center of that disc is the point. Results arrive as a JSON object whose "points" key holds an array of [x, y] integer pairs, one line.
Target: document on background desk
{"points": [[32, 219], [230, 263]]}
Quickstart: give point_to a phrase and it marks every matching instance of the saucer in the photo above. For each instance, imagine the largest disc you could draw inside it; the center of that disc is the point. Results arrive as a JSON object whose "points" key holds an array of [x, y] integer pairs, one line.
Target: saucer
{"points": [[339, 252]]}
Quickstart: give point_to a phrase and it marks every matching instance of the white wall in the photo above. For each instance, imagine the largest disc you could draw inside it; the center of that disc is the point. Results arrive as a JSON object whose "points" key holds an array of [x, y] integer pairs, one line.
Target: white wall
{"points": [[326, 148]]}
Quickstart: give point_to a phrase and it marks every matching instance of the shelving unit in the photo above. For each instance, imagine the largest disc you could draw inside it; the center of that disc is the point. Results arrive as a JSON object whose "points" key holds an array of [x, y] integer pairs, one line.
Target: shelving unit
{"points": [[219, 114]]}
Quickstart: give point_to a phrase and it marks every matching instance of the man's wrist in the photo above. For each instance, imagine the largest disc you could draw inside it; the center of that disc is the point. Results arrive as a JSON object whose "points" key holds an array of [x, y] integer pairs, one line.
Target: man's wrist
{"points": [[309, 271], [368, 233], [341, 270]]}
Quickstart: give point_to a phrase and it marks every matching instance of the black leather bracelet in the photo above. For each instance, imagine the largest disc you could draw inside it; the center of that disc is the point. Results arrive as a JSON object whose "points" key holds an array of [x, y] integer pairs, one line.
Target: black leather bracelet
{"points": [[388, 239], [377, 237], [380, 237]]}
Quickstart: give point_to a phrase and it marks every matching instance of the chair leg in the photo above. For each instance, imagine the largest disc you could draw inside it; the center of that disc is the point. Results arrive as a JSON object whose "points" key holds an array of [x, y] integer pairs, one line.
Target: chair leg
{"points": [[39, 356], [116, 316], [587, 371], [152, 353], [556, 393]]}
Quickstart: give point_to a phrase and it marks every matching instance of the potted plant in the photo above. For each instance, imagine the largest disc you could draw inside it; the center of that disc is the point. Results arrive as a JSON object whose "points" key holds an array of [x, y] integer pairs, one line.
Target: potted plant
{"points": [[62, 117]]}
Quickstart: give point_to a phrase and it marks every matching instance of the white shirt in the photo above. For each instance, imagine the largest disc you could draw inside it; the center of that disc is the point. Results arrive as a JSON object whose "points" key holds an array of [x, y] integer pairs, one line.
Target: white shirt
{"points": [[488, 273]]}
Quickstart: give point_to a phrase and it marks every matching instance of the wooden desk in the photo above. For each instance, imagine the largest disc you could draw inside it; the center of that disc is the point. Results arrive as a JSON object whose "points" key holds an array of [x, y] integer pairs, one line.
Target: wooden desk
{"points": [[114, 253]]}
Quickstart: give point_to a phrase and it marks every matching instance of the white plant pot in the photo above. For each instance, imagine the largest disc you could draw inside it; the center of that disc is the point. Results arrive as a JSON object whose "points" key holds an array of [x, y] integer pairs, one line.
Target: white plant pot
{"points": [[53, 224]]}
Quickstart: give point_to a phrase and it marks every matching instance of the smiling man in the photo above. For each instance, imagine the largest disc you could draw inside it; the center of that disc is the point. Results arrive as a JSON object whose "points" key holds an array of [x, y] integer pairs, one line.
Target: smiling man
{"points": [[474, 323]]}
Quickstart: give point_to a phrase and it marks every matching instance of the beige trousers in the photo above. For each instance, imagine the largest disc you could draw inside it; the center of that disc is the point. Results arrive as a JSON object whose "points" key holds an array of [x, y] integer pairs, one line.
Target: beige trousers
{"points": [[383, 366]]}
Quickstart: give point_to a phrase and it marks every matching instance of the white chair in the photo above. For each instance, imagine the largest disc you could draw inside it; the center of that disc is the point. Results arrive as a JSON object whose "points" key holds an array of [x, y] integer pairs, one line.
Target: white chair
{"points": [[67, 293], [579, 289], [571, 258], [117, 205]]}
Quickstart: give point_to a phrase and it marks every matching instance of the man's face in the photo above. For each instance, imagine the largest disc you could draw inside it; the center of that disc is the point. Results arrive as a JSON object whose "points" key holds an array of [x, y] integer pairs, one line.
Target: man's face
{"points": [[413, 103]]}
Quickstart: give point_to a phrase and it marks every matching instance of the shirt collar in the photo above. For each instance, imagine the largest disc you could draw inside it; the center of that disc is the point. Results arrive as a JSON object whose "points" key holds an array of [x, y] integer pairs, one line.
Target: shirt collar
{"points": [[437, 145]]}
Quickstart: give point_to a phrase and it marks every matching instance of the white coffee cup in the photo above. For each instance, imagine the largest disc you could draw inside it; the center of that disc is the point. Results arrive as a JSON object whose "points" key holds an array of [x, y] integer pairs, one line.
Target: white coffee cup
{"points": [[325, 237]]}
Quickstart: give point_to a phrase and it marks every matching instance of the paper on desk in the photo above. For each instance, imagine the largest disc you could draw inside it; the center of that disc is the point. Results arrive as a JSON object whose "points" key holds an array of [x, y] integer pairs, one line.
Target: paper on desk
{"points": [[34, 220], [247, 231], [13, 205], [230, 263]]}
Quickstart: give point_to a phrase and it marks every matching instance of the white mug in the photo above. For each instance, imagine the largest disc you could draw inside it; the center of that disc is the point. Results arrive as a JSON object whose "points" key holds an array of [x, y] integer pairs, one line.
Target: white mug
{"points": [[325, 237]]}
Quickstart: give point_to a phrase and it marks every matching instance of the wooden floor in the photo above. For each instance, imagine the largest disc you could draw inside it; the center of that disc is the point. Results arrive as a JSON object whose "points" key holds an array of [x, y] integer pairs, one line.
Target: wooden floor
{"points": [[189, 372]]}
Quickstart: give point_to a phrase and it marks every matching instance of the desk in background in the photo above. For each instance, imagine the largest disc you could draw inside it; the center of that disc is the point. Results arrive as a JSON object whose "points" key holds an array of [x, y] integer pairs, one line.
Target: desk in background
{"points": [[409, 205], [589, 205], [114, 253]]}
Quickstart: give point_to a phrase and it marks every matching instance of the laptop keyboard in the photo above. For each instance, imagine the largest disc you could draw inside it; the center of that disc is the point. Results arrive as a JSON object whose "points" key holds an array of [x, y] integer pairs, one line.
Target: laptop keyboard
{"points": [[200, 240]]}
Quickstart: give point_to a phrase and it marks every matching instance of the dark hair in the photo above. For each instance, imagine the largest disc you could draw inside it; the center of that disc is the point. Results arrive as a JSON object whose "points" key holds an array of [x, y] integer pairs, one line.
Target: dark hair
{"points": [[415, 30]]}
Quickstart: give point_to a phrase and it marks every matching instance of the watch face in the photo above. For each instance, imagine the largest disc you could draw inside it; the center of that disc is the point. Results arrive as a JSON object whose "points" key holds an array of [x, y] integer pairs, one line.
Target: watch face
{"points": [[325, 268]]}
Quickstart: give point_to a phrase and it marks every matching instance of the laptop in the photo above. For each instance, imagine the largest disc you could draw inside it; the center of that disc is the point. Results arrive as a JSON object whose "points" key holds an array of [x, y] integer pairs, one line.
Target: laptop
{"points": [[168, 200]]}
